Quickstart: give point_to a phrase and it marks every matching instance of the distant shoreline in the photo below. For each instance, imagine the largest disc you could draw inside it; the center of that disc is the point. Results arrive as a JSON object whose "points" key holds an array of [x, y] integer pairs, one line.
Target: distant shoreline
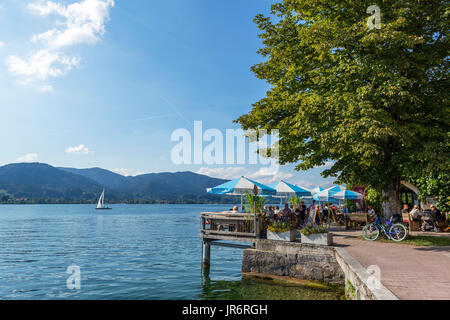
{"points": [[116, 203]]}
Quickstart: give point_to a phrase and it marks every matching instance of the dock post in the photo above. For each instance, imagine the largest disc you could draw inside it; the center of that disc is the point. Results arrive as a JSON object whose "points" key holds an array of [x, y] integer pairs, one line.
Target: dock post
{"points": [[206, 254]]}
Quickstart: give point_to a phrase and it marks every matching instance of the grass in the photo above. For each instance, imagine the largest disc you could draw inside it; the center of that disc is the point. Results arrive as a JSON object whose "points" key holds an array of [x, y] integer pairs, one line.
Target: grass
{"points": [[419, 241]]}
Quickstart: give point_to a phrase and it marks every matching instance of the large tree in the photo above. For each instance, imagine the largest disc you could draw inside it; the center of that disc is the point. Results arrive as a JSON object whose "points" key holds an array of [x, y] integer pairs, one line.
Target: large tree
{"points": [[374, 101]]}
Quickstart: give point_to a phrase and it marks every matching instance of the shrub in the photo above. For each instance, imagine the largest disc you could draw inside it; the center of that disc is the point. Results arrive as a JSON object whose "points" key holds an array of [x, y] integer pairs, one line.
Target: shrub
{"points": [[309, 229]]}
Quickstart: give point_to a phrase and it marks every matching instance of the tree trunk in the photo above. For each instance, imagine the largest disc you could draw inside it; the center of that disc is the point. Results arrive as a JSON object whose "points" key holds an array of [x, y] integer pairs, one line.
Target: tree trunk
{"points": [[391, 198]]}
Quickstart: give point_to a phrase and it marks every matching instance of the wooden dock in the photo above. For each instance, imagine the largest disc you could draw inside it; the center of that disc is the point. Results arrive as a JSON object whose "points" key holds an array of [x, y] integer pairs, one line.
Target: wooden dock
{"points": [[217, 227]]}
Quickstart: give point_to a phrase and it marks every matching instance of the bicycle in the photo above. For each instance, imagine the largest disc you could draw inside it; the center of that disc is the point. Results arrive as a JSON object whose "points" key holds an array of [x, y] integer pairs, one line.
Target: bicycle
{"points": [[394, 231]]}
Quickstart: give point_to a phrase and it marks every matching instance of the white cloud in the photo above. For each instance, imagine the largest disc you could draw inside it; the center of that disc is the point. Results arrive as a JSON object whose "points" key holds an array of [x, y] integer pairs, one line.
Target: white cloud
{"points": [[46, 88], [126, 172], [327, 164], [84, 23], [122, 171], [1, 44], [41, 65], [269, 175], [223, 173], [81, 149], [265, 175], [30, 157]]}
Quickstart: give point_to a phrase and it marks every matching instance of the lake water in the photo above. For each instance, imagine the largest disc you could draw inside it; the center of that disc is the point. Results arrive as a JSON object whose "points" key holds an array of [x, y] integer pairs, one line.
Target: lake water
{"points": [[130, 252]]}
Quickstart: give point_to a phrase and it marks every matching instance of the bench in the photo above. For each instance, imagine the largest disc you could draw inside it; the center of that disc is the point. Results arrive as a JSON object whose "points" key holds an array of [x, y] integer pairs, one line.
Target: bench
{"points": [[357, 219], [413, 225]]}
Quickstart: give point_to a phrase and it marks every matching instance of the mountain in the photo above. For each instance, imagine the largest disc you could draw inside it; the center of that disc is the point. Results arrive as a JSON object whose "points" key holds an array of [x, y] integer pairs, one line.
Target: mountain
{"points": [[42, 181], [165, 186], [104, 177], [39, 182], [187, 186]]}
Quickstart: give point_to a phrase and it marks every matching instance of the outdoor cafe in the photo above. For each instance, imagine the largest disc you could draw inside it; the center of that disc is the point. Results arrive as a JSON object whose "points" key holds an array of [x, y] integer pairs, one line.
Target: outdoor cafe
{"points": [[287, 201]]}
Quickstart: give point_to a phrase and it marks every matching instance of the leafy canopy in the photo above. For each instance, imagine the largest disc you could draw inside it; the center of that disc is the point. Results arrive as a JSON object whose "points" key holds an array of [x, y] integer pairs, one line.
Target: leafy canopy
{"points": [[374, 101]]}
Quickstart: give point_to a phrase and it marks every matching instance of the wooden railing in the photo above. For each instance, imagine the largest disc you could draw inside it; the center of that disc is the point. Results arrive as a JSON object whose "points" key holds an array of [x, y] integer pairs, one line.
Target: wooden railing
{"points": [[230, 226]]}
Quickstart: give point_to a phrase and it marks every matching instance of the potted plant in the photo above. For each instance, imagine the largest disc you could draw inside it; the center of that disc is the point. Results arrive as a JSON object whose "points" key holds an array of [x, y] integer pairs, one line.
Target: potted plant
{"points": [[254, 205], [281, 229], [316, 234]]}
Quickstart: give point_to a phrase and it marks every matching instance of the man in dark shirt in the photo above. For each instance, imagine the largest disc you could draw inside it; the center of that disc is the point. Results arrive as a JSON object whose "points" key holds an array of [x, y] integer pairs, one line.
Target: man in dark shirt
{"points": [[405, 208], [303, 211], [438, 216]]}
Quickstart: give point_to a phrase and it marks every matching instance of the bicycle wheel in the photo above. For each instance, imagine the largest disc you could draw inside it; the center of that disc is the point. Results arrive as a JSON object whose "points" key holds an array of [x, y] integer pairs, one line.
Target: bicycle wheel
{"points": [[398, 232], [371, 232]]}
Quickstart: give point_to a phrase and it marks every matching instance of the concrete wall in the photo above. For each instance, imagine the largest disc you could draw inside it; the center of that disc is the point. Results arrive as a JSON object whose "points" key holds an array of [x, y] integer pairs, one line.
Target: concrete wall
{"points": [[293, 259], [311, 262], [359, 283]]}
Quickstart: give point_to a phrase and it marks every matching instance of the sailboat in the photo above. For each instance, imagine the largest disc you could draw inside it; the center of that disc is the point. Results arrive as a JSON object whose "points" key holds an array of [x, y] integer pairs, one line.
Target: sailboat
{"points": [[101, 202]]}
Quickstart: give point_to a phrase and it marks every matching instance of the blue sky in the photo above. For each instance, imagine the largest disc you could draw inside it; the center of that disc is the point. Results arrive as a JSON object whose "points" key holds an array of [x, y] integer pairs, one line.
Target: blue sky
{"points": [[104, 83]]}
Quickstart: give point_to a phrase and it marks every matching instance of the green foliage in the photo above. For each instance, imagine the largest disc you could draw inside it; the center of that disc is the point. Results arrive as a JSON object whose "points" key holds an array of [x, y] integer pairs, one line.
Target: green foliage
{"points": [[309, 229], [251, 200], [375, 102], [280, 226], [295, 201], [350, 289], [420, 241], [437, 186], [374, 199], [350, 205]]}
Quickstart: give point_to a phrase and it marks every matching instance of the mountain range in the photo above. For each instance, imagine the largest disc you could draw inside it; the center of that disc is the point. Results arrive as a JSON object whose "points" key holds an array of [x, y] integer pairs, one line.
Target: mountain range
{"points": [[43, 183]]}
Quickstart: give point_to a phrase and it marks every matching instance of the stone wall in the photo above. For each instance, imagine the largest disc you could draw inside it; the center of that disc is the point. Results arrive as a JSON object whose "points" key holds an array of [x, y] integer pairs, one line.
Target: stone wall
{"points": [[311, 262], [294, 260], [359, 283]]}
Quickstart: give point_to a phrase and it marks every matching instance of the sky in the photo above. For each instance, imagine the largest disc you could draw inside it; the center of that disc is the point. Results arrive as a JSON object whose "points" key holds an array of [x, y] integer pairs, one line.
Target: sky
{"points": [[105, 83]]}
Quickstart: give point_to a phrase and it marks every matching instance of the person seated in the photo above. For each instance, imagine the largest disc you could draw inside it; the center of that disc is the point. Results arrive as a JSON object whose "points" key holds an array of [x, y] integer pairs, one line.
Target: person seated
{"points": [[416, 214], [234, 209], [405, 208], [438, 216], [372, 214]]}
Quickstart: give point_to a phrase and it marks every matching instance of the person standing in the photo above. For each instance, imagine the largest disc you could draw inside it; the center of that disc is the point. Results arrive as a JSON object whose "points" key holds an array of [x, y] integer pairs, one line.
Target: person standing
{"points": [[302, 211]]}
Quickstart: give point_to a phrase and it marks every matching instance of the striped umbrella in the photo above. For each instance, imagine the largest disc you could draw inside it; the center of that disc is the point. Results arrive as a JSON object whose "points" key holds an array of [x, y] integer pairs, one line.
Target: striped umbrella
{"points": [[327, 194], [348, 195], [240, 186]]}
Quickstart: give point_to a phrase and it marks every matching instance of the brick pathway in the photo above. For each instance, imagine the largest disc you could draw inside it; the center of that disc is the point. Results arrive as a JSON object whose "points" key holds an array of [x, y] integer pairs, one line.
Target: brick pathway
{"points": [[410, 272]]}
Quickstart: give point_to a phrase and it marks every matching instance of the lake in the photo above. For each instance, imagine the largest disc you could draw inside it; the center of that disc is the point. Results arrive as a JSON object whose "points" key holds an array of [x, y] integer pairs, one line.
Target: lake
{"points": [[130, 252]]}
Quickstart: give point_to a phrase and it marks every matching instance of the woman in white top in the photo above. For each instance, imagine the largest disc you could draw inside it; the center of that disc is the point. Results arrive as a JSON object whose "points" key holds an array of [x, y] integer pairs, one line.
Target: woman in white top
{"points": [[416, 213]]}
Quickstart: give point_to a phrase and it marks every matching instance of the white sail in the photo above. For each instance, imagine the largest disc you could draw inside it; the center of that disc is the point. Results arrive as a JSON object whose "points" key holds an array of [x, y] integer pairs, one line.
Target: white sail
{"points": [[101, 200]]}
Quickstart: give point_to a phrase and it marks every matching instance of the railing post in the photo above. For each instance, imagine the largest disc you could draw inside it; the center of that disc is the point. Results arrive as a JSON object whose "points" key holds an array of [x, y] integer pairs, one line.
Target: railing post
{"points": [[203, 223], [206, 254], [257, 229]]}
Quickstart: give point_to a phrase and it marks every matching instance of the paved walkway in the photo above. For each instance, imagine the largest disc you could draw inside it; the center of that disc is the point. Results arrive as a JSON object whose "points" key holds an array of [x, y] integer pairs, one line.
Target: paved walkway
{"points": [[410, 272]]}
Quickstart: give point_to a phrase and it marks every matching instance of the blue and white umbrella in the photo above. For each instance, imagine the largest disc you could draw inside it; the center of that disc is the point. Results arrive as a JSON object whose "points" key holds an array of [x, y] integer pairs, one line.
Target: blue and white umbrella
{"points": [[347, 195], [241, 186], [285, 189], [317, 190], [327, 194]]}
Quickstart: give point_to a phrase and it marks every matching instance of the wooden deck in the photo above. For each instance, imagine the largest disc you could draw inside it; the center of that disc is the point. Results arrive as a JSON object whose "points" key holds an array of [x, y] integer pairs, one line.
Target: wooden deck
{"points": [[217, 227]]}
